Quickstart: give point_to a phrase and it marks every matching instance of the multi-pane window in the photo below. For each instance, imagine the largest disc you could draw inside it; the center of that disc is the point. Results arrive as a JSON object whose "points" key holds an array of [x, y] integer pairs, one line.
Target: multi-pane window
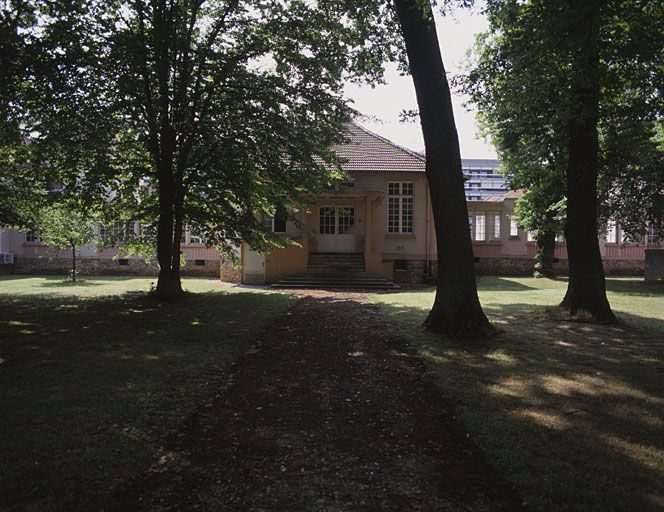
{"points": [[276, 224], [496, 226], [346, 220], [327, 220], [470, 225], [268, 222], [32, 237], [480, 227], [514, 227], [400, 207], [612, 232], [653, 236], [195, 239]]}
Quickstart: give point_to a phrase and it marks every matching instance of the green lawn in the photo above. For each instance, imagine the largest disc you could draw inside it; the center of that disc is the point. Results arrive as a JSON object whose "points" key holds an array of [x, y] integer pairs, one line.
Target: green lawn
{"points": [[94, 375], [572, 413]]}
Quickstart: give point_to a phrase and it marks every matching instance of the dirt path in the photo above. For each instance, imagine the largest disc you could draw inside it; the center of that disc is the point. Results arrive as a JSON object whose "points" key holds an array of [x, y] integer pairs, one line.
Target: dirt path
{"points": [[331, 412]]}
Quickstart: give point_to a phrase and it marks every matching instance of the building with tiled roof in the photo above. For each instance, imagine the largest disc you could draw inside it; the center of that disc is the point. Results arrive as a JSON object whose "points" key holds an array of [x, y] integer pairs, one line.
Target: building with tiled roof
{"points": [[368, 151], [374, 227]]}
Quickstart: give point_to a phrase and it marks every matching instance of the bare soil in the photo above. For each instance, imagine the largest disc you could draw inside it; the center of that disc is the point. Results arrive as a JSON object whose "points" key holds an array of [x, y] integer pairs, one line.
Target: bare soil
{"points": [[332, 410]]}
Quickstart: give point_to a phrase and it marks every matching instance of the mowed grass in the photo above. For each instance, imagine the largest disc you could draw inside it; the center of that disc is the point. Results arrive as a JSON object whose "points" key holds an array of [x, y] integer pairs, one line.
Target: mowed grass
{"points": [[572, 413], [93, 376]]}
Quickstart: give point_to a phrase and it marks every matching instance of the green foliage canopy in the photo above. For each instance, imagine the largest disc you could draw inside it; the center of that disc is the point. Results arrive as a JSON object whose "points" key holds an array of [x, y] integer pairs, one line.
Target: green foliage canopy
{"points": [[520, 79], [204, 111]]}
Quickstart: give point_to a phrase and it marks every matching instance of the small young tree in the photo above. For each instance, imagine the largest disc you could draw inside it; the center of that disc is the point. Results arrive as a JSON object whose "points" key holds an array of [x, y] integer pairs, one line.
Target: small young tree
{"points": [[540, 211], [65, 228]]}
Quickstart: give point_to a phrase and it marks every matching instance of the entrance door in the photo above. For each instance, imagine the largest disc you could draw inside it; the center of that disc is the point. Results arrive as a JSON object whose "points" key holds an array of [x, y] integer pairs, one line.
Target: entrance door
{"points": [[254, 266], [336, 231]]}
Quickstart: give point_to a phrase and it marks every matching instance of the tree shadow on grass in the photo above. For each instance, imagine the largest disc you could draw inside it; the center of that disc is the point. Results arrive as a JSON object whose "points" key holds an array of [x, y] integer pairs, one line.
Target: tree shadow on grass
{"points": [[93, 384], [572, 412], [64, 283], [501, 284], [635, 287]]}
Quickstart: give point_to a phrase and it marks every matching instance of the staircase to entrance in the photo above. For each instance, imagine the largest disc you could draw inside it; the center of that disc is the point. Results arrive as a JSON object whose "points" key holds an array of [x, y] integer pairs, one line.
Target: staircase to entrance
{"points": [[336, 270]]}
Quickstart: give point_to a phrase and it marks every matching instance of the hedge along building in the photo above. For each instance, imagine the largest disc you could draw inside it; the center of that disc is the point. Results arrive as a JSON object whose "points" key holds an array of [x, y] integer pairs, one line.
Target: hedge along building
{"points": [[380, 221]]}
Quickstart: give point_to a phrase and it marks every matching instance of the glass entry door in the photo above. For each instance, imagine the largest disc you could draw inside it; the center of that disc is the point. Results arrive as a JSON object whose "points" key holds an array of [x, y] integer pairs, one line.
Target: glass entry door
{"points": [[336, 229]]}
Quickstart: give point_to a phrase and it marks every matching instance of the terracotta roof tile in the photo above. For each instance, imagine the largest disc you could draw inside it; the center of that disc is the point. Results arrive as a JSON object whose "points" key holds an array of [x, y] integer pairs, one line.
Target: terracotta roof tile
{"points": [[366, 151], [513, 194]]}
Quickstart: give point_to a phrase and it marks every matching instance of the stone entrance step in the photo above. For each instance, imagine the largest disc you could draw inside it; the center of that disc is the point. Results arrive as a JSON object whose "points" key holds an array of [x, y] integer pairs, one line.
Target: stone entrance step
{"points": [[336, 270]]}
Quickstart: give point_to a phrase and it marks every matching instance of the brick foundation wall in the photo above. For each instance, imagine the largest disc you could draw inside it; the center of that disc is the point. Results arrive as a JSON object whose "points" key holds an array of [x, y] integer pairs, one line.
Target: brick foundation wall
{"points": [[624, 267], [414, 273], [107, 267], [230, 273]]}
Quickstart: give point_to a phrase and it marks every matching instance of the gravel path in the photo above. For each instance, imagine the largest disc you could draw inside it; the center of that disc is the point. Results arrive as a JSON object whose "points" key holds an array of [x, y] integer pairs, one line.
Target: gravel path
{"points": [[331, 411]]}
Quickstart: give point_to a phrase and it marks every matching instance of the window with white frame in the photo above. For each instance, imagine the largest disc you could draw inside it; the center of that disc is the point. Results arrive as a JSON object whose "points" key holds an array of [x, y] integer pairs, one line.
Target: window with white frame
{"points": [[480, 227], [653, 237], [400, 206], [611, 232], [514, 227], [195, 239], [531, 236], [496, 226], [276, 223], [470, 225], [32, 237], [119, 231]]}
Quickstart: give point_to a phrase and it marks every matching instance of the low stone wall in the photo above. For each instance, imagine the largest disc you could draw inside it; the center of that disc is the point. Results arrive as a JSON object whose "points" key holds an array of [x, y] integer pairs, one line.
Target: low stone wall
{"points": [[415, 271], [230, 273], [96, 266], [624, 267]]}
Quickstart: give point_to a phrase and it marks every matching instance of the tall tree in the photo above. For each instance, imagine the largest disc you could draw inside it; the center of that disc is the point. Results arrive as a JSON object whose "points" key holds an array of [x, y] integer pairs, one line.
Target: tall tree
{"points": [[456, 309], [20, 190], [586, 288], [198, 112], [536, 103]]}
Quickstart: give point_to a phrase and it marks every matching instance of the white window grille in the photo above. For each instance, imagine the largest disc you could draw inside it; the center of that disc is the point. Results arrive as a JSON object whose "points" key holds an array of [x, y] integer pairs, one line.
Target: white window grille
{"points": [[480, 227], [514, 227], [400, 207]]}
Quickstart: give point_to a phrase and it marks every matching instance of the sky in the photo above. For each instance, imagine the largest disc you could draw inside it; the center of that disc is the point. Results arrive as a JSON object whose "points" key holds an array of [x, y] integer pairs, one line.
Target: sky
{"points": [[381, 105]]}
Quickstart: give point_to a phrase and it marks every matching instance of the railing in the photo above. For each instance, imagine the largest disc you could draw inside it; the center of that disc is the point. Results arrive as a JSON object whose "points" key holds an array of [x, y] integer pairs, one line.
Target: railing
{"points": [[628, 252], [38, 250], [612, 252], [487, 250], [559, 252], [191, 252], [200, 252]]}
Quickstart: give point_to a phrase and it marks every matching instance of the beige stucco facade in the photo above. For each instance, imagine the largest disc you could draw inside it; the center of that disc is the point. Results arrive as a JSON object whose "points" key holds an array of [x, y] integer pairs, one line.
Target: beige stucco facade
{"points": [[383, 252]]}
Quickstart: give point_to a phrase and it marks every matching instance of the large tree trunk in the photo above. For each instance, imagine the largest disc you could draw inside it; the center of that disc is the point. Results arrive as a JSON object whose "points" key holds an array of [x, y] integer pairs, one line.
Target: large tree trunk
{"points": [[169, 286], [164, 150], [586, 290], [457, 308], [546, 245]]}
